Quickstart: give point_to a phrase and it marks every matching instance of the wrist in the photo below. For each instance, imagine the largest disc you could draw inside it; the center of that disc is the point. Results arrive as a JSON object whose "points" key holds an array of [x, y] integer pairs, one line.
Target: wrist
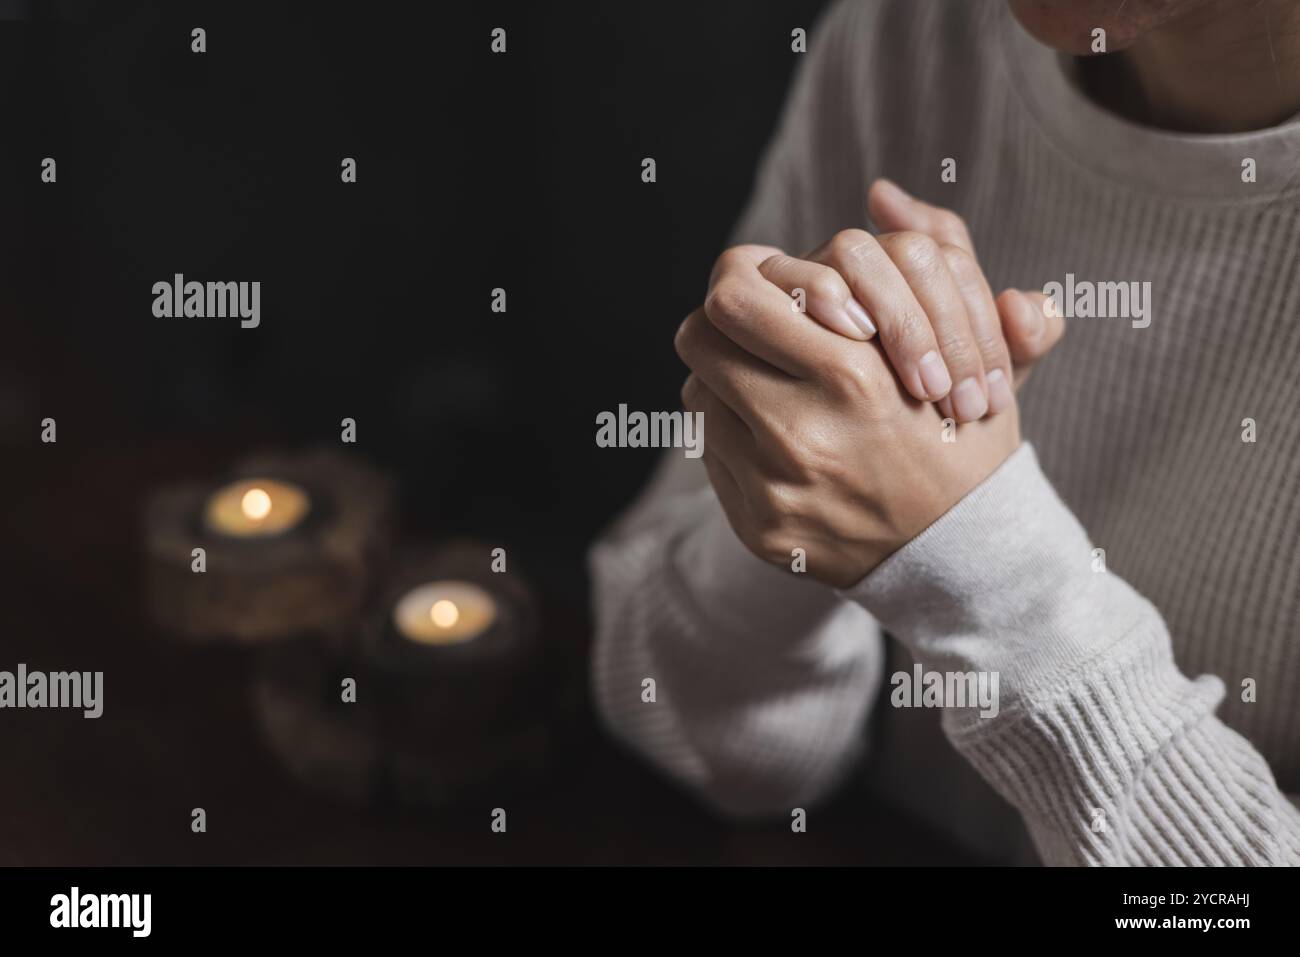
{"points": [[1005, 582]]}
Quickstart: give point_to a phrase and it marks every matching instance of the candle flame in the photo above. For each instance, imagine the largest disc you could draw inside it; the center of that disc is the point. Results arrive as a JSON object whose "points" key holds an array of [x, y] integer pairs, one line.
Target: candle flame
{"points": [[256, 504], [444, 613]]}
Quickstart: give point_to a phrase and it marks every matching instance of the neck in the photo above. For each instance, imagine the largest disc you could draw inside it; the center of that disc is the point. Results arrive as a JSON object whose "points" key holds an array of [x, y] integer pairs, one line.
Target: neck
{"points": [[1228, 66]]}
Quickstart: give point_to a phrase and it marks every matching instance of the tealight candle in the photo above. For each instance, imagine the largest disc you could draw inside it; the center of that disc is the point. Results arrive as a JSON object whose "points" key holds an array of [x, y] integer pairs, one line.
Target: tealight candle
{"points": [[253, 508], [445, 612], [463, 694]]}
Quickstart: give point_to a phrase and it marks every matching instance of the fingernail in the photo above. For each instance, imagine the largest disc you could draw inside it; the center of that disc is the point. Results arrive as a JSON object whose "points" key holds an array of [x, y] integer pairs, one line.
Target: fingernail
{"points": [[859, 315], [969, 401], [1000, 397], [841, 321], [945, 407], [1036, 317], [935, 380]]}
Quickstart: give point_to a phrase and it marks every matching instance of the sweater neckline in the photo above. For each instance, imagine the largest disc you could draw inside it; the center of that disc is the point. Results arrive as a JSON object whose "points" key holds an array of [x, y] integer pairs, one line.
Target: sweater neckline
{"points": [[1189, 166]]}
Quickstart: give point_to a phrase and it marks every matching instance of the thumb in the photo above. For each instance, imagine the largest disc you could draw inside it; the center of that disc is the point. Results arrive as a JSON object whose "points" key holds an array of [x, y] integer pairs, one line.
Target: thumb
{"points": [[1030, 327], [894, 210]]}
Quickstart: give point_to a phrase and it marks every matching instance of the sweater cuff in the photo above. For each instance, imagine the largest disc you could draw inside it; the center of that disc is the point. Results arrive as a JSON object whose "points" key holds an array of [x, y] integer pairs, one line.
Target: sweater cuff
{"points": [[1092, 766], [1006, 582]]}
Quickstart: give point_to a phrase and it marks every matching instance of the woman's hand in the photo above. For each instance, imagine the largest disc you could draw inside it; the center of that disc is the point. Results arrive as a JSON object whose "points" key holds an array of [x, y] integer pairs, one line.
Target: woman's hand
{"points": [[812, 441], [919, 286]]}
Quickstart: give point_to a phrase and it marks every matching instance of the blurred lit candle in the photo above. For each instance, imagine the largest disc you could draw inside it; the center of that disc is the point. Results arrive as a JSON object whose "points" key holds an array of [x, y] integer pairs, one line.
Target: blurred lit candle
{"points": [[441, 613], [256, 507]]}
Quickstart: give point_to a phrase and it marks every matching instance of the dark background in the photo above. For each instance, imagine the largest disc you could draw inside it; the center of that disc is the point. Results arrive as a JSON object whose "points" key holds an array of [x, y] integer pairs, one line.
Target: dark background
{"points": [[475, 171]]}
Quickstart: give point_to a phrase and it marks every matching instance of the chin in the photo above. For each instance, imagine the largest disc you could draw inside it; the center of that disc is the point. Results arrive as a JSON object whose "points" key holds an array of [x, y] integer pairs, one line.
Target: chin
{"points": [[1067, 25]]}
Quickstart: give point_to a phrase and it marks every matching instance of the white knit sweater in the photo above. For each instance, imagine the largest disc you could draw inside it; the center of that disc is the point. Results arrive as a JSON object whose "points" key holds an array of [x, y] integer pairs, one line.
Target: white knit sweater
{"points": [[1103, 751]]}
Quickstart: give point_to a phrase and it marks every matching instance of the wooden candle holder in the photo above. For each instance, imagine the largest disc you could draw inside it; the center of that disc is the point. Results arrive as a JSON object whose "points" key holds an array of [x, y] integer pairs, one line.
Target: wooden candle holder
{"points": [[315, 576], [430, 724]]}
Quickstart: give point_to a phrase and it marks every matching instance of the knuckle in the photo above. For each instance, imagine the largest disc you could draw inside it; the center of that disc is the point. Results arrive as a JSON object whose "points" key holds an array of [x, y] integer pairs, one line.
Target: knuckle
{"points": [[909, 333], [779, 436], [993, 350], [730, 262], [772, 542], [690, 393], [726, 300], [826, 285], [960, 356], [684, 340], [950, 223], [848, 244], [820, 460], [989, 340], [805, 450], [785, 449], [731, 259], [766, 523], [855, 381], [748, 252], [767, 505], [681, 340], [961, 263], [916, 251]]}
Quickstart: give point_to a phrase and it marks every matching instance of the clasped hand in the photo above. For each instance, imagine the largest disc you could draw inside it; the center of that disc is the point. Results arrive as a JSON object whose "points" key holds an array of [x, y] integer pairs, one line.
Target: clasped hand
{"points": [[847, 428]]}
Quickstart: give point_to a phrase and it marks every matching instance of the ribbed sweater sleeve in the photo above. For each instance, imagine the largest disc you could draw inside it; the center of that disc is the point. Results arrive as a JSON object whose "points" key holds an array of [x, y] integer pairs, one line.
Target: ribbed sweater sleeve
{"points": [[1108, 751], [762, 680]]}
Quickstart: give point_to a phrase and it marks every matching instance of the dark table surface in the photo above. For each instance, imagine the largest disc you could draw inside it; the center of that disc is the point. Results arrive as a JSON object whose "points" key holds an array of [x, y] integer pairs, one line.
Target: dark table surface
{"points": [[178, 732]]}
